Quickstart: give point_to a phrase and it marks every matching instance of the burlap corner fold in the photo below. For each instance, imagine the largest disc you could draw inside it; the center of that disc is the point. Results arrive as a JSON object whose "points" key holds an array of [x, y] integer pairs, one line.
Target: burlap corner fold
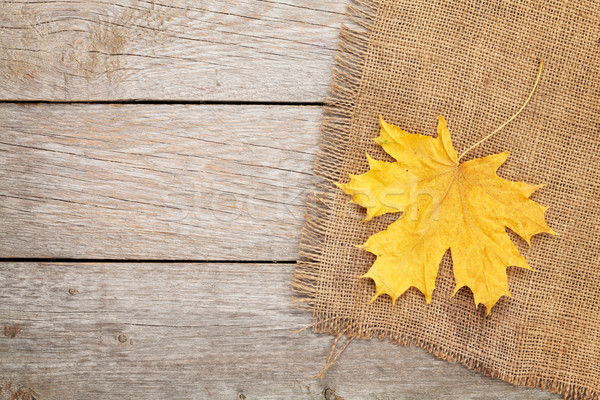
{"points": [[474, 63]]}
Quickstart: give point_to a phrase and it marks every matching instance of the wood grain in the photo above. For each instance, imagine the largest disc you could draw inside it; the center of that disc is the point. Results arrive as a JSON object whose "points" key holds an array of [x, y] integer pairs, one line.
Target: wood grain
{"points": [[195, 182], [165, 182], [168, 49], [197, 331]]}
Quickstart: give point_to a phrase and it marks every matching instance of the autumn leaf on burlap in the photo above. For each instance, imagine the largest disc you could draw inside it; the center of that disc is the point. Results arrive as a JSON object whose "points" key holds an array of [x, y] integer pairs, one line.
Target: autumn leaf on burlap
{"points": [[446, 204]]}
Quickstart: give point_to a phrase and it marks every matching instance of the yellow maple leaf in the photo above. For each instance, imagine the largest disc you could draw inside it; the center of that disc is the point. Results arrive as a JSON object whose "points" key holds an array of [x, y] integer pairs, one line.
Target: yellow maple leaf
{"points": [[446, 204]]}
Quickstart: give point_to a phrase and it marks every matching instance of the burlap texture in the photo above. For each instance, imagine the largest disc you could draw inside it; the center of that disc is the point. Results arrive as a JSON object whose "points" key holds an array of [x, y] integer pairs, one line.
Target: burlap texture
{"points": [[474, 62]]}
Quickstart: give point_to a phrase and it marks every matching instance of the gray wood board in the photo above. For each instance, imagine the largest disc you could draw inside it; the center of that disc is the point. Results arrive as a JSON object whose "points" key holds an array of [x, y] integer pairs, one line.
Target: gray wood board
{"points": [[191, 182], [196, 331], [168, 49]]}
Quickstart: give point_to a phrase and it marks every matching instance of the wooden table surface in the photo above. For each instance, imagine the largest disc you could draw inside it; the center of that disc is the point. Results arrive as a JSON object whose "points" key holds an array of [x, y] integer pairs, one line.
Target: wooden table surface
{"points": [[155, 156]]}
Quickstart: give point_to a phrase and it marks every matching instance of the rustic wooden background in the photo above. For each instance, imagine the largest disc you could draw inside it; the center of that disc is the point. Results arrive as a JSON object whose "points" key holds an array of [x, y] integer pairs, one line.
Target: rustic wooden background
{"points": [[154, 160]]}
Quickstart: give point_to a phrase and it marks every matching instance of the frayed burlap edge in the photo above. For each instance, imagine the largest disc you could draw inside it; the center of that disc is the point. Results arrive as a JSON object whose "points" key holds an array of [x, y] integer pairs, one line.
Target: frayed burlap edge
{"points": [[337, 119]]}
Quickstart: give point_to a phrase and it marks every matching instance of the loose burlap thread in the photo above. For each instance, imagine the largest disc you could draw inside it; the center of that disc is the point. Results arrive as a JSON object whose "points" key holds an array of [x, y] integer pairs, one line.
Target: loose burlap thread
{"points": [[474, 63]]}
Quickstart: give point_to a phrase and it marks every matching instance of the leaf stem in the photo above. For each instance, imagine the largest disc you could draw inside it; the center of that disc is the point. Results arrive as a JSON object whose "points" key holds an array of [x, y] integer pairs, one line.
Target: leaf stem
{"points": [[511, 118]]}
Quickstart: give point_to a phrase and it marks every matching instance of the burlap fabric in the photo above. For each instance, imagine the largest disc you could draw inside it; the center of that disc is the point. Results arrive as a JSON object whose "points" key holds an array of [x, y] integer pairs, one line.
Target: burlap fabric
{"points": [[474, 62]]}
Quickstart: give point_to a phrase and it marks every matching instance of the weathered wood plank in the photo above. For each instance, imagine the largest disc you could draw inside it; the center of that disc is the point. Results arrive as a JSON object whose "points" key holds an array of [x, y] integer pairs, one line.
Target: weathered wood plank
{"points": [[196, 331], [154, 181], [168, 49]]}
